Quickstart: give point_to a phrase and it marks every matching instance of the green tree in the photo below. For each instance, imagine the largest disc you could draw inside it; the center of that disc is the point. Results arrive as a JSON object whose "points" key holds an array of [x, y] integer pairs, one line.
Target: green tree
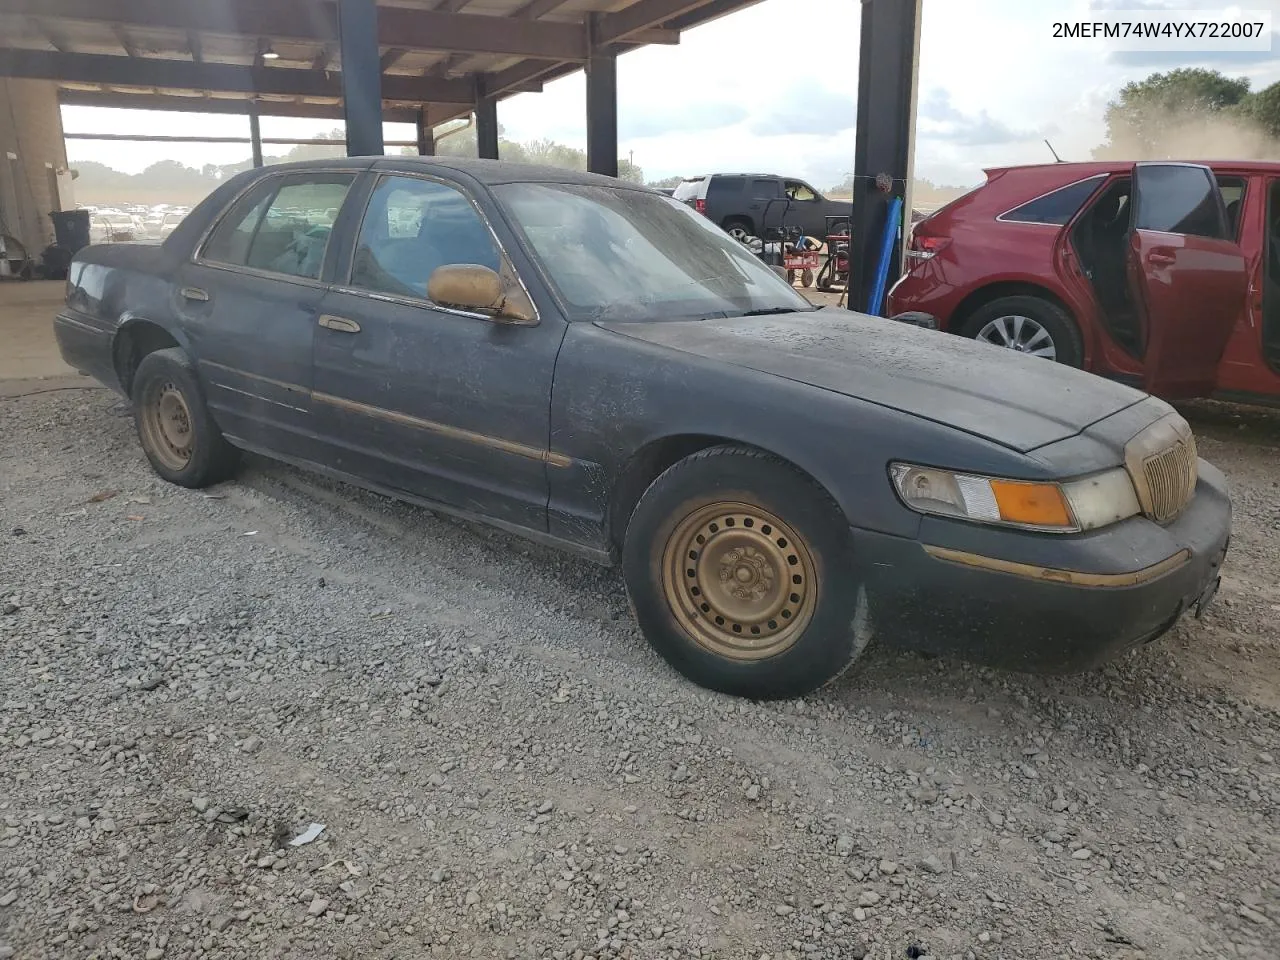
{"points": [[1150, 113], [668, 182], [1263, 109]]}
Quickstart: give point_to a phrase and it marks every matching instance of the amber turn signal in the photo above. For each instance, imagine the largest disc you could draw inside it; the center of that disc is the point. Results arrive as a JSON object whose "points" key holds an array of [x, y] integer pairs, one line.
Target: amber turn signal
{"points": [[1032, 504]]}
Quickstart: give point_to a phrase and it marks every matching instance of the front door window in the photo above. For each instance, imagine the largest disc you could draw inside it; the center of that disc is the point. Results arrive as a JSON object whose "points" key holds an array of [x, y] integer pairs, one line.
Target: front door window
{"points": [[412, 227]]}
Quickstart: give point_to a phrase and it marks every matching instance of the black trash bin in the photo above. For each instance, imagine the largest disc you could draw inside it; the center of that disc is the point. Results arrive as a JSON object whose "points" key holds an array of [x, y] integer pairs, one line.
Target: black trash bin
{"points": [[71, 229]]}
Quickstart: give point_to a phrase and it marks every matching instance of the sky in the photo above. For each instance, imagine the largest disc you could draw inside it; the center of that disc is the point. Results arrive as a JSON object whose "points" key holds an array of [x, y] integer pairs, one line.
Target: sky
{"points": [[773, 87]]}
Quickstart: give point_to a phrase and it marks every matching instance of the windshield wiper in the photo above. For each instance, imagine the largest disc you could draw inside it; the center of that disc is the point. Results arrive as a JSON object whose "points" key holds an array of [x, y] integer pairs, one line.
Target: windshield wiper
{"points": [[768, 311]]}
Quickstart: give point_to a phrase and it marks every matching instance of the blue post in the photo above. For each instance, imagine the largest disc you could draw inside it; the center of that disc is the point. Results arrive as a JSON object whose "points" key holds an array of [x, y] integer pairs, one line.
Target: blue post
{"points": [[891, 225]]}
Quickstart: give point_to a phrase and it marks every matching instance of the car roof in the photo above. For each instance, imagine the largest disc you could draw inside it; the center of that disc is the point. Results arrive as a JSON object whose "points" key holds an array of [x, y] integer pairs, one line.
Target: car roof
{"points": [[486, 171], [1091, 168]]}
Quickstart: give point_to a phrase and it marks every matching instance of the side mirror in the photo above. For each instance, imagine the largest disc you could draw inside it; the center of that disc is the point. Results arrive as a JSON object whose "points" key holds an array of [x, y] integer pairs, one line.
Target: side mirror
{"points": [[470, 286]]}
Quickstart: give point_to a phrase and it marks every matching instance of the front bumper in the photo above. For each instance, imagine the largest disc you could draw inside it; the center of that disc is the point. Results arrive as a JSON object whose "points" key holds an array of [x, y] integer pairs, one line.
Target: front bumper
{"points": [[937, 595]]}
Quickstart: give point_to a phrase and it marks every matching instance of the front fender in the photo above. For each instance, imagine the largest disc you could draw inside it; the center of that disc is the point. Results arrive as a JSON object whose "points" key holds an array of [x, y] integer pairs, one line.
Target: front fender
{"points": [[616, 397]]}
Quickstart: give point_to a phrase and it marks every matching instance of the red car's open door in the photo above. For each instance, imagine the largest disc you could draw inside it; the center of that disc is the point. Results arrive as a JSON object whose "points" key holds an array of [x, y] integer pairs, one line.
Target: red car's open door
{"points": [[1187, 276]]}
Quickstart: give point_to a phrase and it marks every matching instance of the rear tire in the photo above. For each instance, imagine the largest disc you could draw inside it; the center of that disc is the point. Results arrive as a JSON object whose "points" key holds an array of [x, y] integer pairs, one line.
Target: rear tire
{"points": [[739, 569], [174, 427], [738, 225], [1012, 322]]}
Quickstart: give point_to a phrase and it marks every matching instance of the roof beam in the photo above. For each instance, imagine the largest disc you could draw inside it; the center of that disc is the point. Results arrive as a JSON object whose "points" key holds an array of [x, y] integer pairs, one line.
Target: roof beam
{"points": [[323, 58], [538, 8], [126, 41], [391, 58], [267, 108], [622, 25], [448, 65], [414, 29], [55, 36], [225, 77]]}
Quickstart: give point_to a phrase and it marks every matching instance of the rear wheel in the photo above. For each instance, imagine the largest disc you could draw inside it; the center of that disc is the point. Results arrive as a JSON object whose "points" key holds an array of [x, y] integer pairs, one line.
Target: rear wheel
{"points": [[736, 564], [1028, 324], [738, 227], [177, 433]]}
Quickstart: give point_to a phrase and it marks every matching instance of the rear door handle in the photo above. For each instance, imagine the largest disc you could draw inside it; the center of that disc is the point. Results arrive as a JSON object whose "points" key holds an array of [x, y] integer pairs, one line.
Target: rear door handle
{"points": [[340, 324], [194, 293], [1158, 259]]}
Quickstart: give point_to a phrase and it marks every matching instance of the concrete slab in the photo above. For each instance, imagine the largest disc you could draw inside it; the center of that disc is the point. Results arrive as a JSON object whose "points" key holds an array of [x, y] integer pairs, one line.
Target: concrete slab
{"points": [[27, 348]]}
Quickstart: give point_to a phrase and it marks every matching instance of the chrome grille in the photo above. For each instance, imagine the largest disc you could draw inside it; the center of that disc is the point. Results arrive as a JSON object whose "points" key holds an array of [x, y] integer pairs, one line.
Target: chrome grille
{"points": [[1171, 480], [1162, 462]]}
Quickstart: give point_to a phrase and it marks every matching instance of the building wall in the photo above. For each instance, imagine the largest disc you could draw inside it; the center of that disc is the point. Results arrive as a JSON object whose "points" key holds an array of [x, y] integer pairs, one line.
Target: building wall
{"points": [[32, 154]]}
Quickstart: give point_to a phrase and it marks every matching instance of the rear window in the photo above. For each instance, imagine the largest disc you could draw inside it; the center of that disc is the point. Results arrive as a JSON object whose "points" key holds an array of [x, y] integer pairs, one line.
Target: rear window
{"points": [[689, 189], [1055, 208], [723, 186]]}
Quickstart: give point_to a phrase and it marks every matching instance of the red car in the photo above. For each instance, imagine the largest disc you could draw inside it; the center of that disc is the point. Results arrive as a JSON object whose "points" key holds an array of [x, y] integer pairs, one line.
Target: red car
{"points": [[1163, 275]]}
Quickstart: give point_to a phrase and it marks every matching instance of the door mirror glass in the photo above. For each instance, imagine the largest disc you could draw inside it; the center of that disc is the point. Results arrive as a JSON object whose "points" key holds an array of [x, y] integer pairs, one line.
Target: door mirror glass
{"points": [[470, 286], [1178, 198]]}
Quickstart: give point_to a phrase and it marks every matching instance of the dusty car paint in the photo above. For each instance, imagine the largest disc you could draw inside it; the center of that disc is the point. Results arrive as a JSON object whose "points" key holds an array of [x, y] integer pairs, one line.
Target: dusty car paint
{"points": [[554, 430]]}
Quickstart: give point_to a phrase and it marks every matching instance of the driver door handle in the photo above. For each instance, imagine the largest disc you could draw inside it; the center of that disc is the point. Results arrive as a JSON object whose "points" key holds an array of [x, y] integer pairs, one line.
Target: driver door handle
{"points": [[194, 293], [340, 324]]}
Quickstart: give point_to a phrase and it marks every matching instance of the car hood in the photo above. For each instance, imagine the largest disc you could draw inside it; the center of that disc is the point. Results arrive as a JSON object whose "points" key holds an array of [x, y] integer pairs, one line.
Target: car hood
{"points": [[1018, 401]]}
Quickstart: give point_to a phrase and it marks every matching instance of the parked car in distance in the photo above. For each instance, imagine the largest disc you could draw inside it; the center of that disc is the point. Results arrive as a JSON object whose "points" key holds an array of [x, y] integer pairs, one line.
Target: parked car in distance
{"points": [[1178, 291], [169, 222], [111, 227], [592, 365], [750, 204]]}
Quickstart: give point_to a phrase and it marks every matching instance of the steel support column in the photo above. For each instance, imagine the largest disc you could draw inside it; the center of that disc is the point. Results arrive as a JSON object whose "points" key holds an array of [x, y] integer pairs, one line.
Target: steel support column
{"points": [[487, 127], [426, 135], [361, 76], [255, 135], [888, 71], [602, 112]]}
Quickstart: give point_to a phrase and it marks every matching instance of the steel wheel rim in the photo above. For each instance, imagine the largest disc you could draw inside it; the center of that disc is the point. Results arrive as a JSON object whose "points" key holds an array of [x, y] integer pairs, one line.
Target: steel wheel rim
{"points": [[741, 582], [1022, 334], [166, 421]]}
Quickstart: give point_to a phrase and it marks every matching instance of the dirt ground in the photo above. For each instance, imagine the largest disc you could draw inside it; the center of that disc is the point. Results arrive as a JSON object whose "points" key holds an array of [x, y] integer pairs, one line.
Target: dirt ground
{"points": [[503, 768], [27, 348]]}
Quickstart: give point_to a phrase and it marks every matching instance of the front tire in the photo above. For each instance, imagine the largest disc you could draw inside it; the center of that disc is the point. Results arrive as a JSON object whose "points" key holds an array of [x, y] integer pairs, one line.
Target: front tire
{"points": [[175, 429], [1028, 324], [740, 571]]}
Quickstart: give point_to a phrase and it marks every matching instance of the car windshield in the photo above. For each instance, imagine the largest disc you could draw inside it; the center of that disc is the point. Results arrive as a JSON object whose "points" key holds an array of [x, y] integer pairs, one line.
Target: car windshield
{"points": [[620, 254]]}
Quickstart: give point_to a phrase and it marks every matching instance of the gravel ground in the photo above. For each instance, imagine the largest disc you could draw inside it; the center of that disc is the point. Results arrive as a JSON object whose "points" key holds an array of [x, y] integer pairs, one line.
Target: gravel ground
{"points": [[503, 768]]}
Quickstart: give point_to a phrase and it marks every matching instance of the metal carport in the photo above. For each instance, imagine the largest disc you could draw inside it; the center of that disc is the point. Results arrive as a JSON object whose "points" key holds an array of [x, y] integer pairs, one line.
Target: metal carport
{"points": [[424, 61]]}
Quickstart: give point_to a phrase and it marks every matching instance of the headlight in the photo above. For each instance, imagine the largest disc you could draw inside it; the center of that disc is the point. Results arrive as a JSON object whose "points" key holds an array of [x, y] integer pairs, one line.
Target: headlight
{"points": [[1068, 507]]}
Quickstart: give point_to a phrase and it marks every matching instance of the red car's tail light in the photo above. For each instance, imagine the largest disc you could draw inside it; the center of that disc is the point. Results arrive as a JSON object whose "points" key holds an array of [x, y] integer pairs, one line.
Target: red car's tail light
{"points": [[923, 248], [700, 206]]}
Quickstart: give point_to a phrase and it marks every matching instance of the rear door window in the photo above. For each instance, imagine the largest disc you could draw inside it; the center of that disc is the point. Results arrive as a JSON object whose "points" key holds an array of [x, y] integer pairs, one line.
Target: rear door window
{"points": [[230, 241], [293, 235], [1055, 208], [1178, 198]]}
